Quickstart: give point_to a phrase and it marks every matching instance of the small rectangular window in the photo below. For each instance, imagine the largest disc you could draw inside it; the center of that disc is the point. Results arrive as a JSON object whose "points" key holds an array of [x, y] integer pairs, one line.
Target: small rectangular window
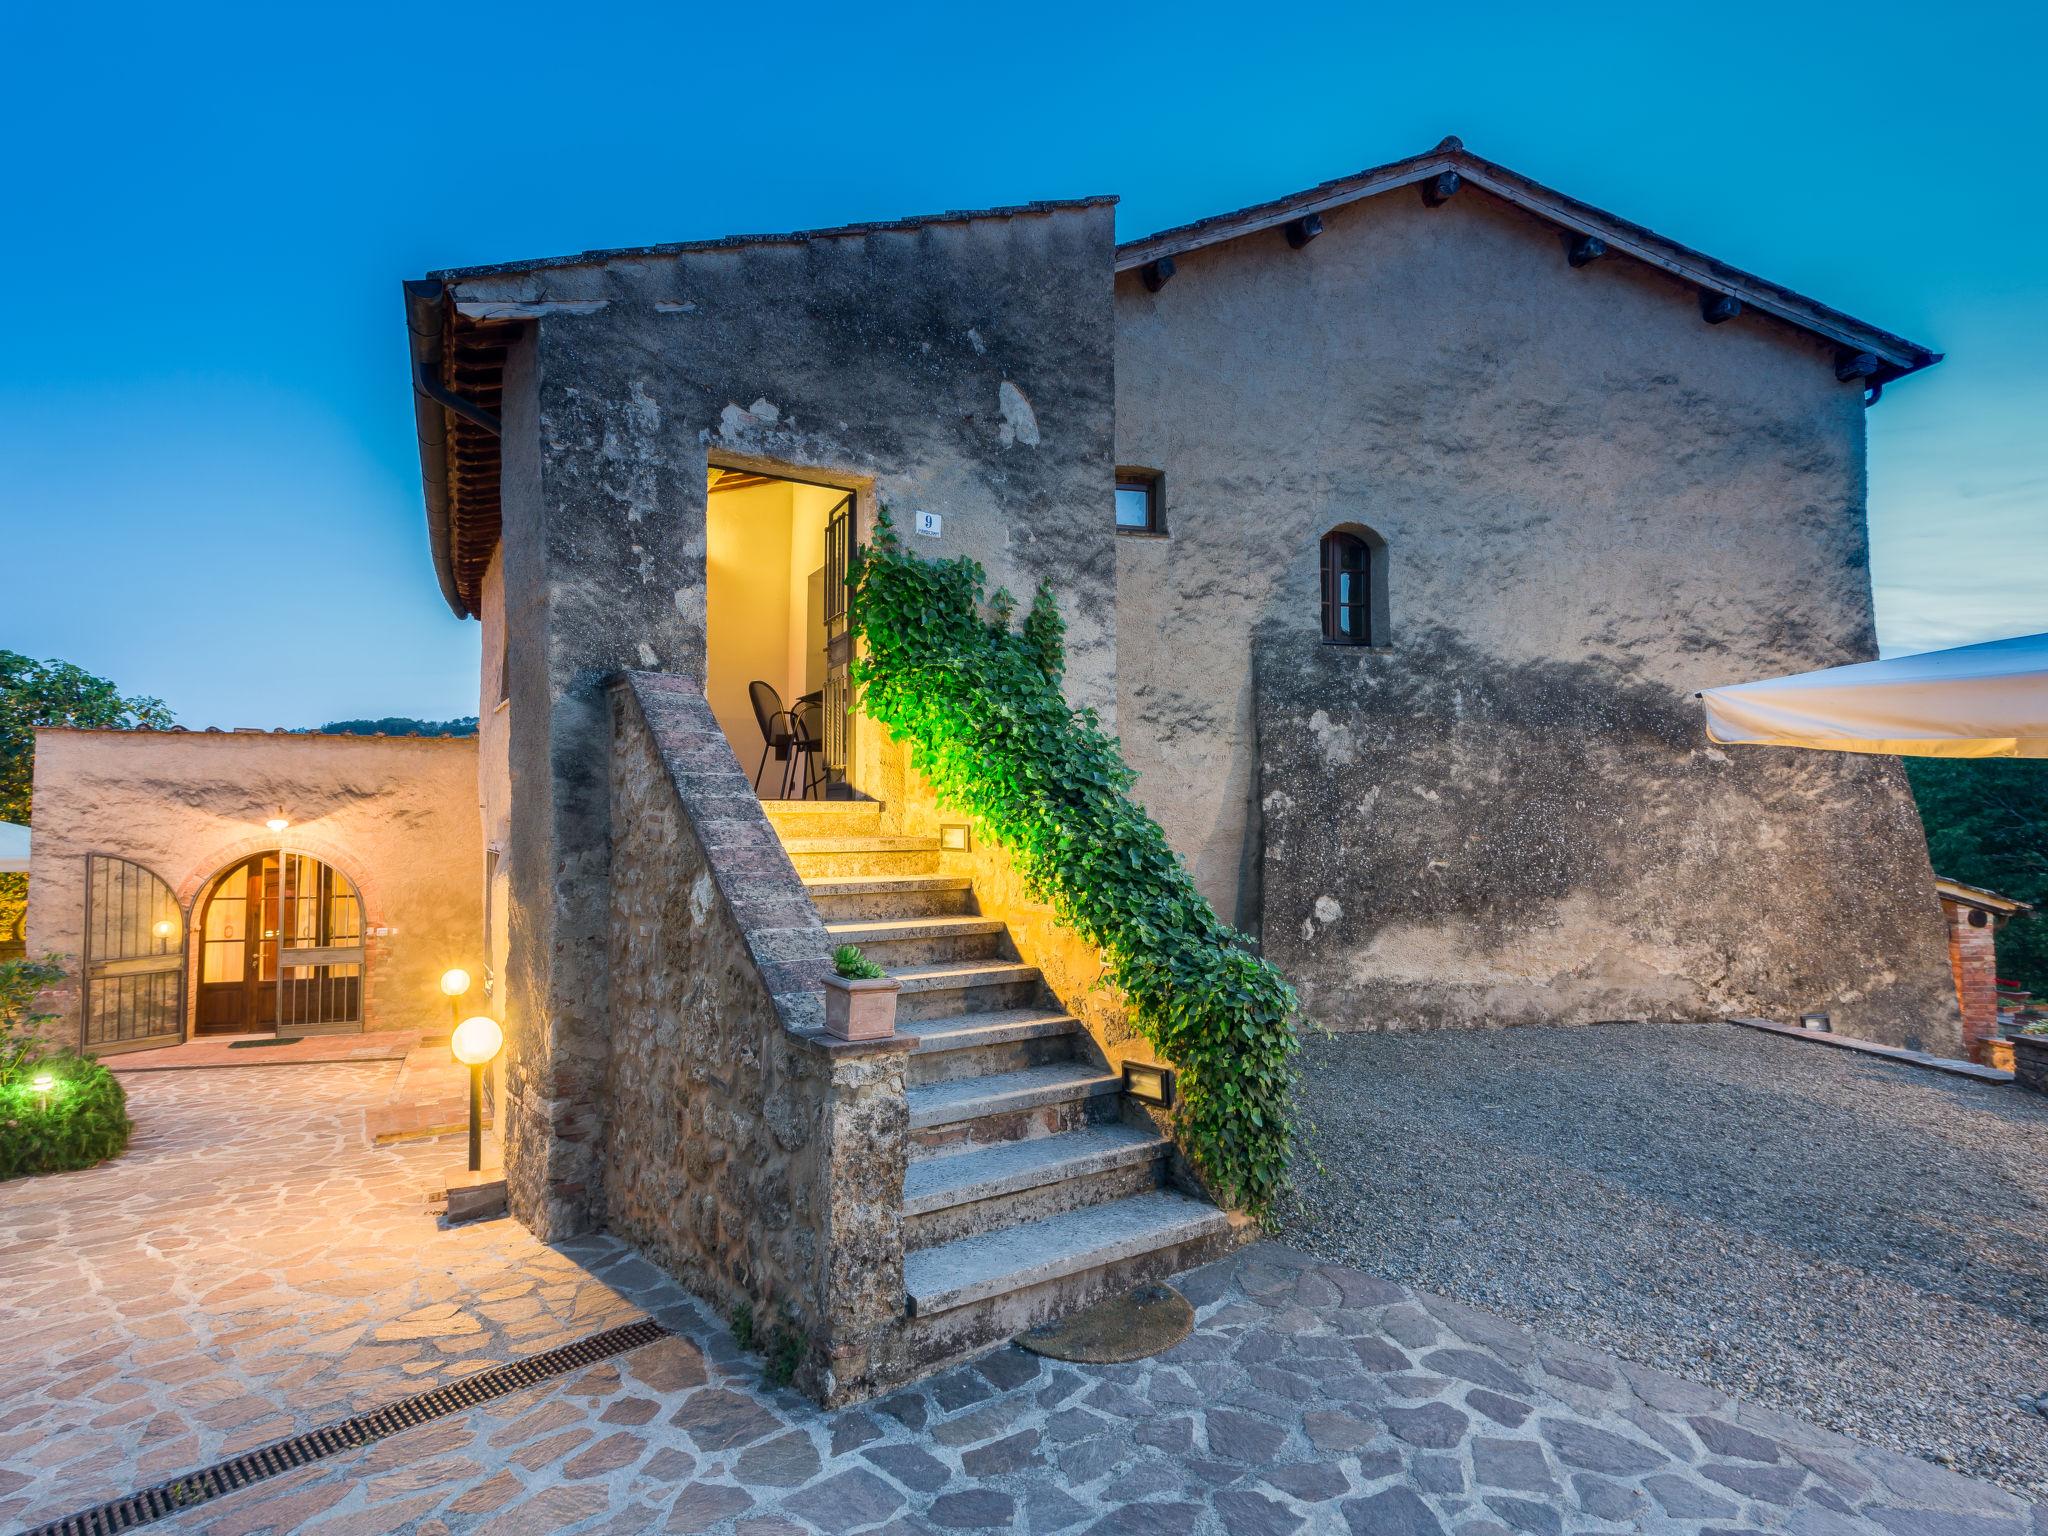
{"points": [[1138, 498]]}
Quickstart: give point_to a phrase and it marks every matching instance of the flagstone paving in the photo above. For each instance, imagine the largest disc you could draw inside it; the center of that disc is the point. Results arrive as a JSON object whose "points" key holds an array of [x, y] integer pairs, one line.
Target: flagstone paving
{"points": [[193, 1286]]}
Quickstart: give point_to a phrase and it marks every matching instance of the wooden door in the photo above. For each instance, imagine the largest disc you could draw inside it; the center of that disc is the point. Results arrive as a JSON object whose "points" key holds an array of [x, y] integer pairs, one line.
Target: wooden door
{"points": [[133, 992], [231, 951]]}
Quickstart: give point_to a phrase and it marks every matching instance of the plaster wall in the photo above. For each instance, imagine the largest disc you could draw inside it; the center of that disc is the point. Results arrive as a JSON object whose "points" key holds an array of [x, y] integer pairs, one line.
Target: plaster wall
{"points": [[396, 815], [1593, 504], [962, 368], [494, 805]]}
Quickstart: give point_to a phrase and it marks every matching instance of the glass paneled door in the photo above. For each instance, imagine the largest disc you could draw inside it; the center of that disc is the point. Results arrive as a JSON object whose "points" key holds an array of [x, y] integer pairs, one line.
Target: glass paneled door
{"points": [[838, 705], [133, 998], [281, 948]]}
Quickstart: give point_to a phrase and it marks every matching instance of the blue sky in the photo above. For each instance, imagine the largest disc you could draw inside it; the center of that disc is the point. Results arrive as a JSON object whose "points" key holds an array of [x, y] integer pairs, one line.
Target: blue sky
{"points": [[208, 481]]}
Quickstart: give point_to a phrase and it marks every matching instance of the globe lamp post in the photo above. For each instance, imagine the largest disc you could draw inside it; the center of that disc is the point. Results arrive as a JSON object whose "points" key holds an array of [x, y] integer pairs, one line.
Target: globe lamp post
{"points": [[475, 1041]]}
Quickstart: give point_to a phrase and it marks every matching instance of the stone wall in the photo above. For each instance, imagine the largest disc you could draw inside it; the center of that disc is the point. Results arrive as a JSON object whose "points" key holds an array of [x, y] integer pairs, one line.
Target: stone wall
{"points": [[1593, 504], [754, 1157], [962, 366], [397, 815]]}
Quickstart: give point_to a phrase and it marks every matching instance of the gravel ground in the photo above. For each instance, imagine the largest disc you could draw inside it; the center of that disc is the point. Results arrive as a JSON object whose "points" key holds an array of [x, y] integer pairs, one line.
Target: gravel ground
{"points": [[1849, 1240]]}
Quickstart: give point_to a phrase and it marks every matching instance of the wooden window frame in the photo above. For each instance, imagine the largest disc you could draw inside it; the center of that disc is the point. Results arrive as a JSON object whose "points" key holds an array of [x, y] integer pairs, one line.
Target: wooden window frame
{"points": [[1335, 543], [1153, 483]]}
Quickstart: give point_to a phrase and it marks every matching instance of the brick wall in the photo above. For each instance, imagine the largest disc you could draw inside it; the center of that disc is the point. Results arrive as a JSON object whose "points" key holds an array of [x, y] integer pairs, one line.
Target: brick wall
{"points": [[1973, 959]]}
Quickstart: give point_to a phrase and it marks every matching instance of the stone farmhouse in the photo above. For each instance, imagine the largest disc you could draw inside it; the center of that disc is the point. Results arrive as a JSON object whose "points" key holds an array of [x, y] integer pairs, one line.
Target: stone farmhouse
{"points": [[1395, 524]]}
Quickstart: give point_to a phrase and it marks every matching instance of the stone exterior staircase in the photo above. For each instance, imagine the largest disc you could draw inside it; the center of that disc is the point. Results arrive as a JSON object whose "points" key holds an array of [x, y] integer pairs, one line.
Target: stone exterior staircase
{"points": [[1030, 1190]]}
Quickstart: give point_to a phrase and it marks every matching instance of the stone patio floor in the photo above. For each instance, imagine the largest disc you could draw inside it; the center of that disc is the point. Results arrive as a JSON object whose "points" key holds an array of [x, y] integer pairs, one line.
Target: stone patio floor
{"points": [[254, 1267]]}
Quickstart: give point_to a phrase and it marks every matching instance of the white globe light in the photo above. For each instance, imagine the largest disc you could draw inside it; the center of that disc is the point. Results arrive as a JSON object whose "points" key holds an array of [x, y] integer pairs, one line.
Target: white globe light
{"points": [[455, 981], [476, 1040]]}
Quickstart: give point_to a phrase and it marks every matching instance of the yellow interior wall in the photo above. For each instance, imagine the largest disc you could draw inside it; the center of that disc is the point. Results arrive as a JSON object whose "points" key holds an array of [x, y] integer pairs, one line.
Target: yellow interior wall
{"points": [[746, 560], [764, 596]]}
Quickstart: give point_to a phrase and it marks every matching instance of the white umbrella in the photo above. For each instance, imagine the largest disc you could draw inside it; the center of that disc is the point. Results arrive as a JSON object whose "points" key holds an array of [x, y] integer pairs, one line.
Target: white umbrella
{"points": [[1987, 700], [13, 849]]}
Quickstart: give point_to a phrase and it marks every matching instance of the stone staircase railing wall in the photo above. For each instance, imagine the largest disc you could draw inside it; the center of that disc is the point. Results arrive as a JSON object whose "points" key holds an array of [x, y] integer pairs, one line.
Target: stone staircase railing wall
{"points": [[757, 1159]]}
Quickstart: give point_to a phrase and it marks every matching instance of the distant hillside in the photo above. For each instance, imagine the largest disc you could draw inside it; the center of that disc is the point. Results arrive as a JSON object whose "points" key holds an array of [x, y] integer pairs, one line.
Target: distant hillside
{"points": [[400, 725], [1987, 824]]}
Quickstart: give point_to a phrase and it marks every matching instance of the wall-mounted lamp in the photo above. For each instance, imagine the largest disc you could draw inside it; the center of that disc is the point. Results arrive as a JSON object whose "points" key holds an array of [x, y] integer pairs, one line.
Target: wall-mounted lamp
{"points": [[454, 982], [1817, 1021], [278, 820], [164, 928], [1149, 1084], [475, 1041], [954, 837]]}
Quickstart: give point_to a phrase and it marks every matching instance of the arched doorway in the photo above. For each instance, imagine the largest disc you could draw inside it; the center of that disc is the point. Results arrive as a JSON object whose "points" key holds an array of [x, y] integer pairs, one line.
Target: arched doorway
{"points": [[280, 948]]}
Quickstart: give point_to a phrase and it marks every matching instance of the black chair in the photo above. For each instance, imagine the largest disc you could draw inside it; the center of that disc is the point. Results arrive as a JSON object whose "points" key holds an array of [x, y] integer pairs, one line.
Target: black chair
{"points": [[778, 731], [807, 746]]}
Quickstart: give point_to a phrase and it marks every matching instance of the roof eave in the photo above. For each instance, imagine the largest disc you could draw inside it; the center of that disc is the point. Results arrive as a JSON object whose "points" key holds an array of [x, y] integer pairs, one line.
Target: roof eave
{"points": [[789, 237], [1897, 355], [425, 308]]}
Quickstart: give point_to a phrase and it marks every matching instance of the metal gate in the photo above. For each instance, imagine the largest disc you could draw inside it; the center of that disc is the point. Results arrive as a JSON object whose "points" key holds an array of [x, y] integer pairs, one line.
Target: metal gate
{"points": [[838, 702], [133, 994]]}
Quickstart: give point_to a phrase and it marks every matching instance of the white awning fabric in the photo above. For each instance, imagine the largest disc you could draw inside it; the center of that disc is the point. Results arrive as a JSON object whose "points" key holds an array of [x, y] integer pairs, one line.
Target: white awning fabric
{"points": [[1987, 700], [13, 849]]}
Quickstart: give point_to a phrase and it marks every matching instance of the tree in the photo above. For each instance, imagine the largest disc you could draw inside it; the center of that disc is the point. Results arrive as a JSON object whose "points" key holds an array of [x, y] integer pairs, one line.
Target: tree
{"points": [[402, 725], [34, 693], [1987, 824]]}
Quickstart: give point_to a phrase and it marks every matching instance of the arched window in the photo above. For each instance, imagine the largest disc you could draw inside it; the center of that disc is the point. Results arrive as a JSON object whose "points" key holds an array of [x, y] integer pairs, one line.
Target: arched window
{"points": [[1348, 587]]}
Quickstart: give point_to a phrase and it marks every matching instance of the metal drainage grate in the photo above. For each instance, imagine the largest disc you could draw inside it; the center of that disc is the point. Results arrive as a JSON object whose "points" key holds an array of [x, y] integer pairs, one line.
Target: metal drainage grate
{"points": [[268, 1461]]}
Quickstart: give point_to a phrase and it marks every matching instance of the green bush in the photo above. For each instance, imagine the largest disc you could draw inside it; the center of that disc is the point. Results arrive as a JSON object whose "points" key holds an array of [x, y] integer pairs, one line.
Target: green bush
{"points": [[997, 741], [83, 1121], [81, 1117]]}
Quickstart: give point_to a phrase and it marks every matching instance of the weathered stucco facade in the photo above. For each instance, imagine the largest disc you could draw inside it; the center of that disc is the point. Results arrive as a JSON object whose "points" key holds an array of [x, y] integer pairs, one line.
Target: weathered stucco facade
{"points": [[396, 815], [961, 365], [1593, 503], [1584, 499]]}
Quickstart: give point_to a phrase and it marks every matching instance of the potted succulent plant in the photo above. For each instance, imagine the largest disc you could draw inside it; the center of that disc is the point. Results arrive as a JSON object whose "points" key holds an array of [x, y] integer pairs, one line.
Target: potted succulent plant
{"points": [[2030, 1056], [860, 997]]}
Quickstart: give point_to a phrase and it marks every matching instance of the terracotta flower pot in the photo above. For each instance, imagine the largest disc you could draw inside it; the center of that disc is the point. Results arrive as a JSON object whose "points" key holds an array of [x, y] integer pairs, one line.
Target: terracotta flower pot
{"points": [[861, 1010]]}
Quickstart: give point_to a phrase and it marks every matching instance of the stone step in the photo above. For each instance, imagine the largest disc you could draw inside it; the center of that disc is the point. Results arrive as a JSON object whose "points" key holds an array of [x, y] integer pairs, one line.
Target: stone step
{"points": [[983, 1044], [994, 1264], [824, 818], [922, 941], [955, 1102], [946, 989], [852, 899], [934, 1183], [843, 857], [965, 1031], [948, 1198]]}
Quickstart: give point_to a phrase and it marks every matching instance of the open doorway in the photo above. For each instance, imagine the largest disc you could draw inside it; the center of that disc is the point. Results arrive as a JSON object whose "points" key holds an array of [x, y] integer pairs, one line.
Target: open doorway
{"points": [[776, 640]]}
